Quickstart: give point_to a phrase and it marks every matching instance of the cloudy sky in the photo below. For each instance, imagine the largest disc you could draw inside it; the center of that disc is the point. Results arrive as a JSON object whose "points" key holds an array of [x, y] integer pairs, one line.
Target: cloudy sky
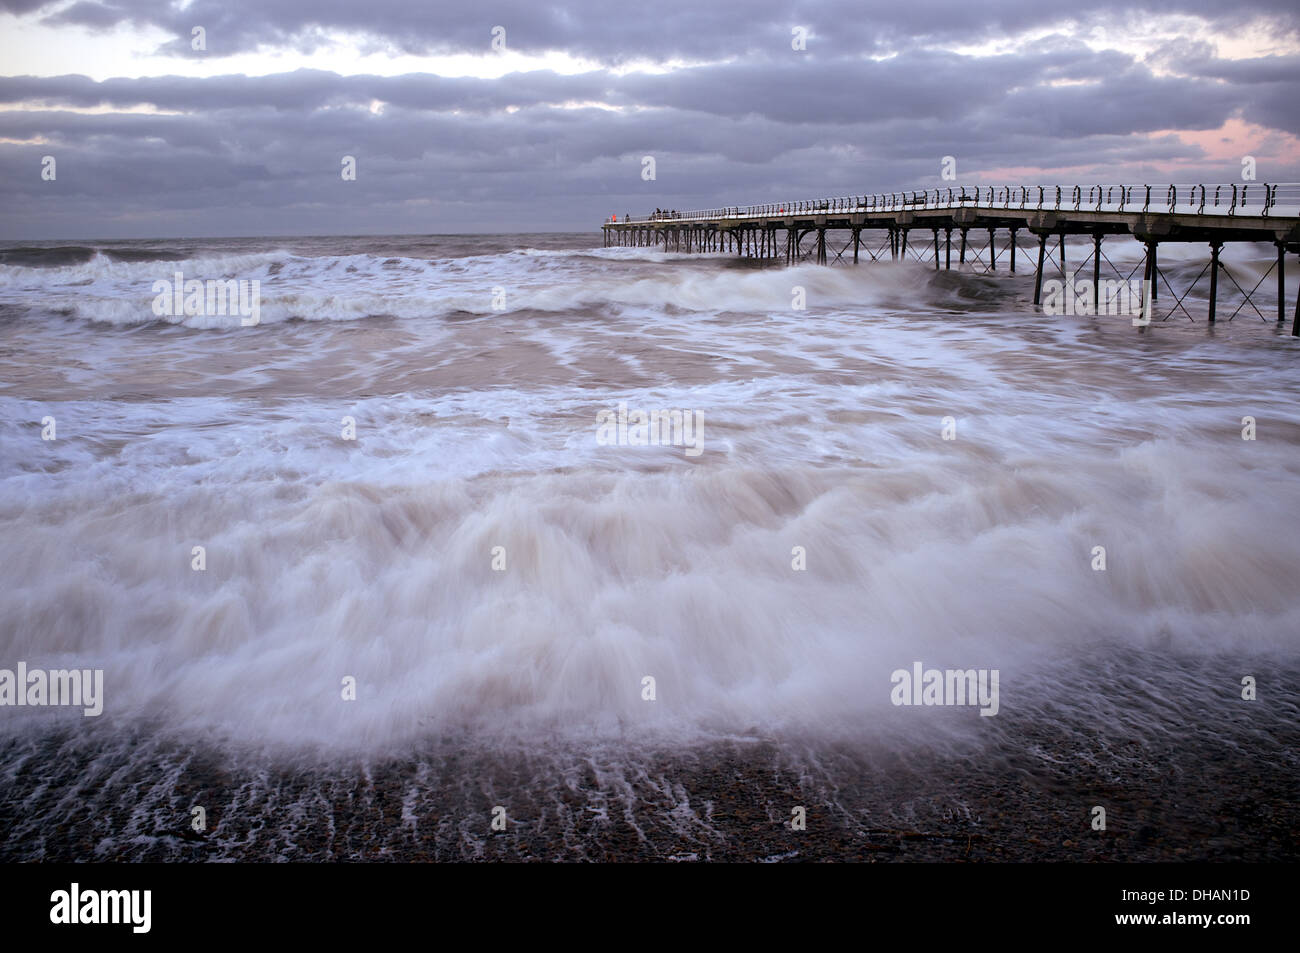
{"points": [[246, 136]]}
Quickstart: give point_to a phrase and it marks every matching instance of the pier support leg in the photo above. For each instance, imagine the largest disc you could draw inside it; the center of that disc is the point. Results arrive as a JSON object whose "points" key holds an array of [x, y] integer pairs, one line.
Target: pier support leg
{"points": [[947, 249], [1214, 278], [1063, 272], [993, 260], [1295, 322], [961, 258], [1013, 251], [821, 246], [1155, 271], [1038, 275], [857, 237], [1149, 285], [902, 245], [1096, 273], [936, 249], [1281, 282]]}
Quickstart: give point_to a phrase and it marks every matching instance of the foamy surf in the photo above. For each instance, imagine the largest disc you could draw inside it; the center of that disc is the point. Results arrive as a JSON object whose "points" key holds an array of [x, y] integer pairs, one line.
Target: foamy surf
{"points": [[484, 573]]}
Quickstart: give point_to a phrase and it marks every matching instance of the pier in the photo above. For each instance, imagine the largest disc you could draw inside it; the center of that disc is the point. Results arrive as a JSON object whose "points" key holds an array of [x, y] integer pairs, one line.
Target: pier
{"points": [[920, 225]]}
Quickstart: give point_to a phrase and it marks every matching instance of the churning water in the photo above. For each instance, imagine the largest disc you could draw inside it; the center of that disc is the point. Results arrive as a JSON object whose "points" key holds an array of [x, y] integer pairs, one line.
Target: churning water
{"points": [[474, 370]]}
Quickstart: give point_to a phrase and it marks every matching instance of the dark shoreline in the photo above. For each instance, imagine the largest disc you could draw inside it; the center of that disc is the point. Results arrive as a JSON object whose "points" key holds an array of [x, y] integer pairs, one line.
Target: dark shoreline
{"points": [[1214, 781]]}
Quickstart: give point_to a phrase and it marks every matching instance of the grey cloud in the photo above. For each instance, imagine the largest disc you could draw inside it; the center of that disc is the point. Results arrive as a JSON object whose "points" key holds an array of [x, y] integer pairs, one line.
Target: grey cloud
{"points": [[261, 155], [616, 32]]}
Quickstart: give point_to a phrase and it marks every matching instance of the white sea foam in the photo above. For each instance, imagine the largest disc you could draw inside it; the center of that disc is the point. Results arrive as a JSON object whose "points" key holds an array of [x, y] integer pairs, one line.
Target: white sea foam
{"points": [[373, 558]]}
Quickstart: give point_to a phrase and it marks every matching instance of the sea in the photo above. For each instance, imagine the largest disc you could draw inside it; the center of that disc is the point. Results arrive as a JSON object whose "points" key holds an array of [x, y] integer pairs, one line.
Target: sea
{"points": [[520, 547]]}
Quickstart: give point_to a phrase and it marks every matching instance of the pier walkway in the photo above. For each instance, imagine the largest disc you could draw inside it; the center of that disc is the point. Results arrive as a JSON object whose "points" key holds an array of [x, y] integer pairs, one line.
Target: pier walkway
{"points": [[839, 230]]}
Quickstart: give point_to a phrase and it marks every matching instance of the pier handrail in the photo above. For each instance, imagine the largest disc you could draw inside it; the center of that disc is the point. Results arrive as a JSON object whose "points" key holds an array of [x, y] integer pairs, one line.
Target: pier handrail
{"points": [[1260, 199]]}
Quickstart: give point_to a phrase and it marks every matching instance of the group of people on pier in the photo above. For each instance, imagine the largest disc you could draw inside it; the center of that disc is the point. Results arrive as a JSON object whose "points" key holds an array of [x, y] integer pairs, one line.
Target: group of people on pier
{"points": [[660, 215]]}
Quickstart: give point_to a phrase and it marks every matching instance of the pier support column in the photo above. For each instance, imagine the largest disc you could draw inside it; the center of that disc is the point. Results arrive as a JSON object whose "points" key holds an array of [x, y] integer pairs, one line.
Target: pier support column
{"points": [[1295, 322], [857, 237], [902, 246], [1155, 271], [1149, 275], [821, 246], [947, 249], [1013, 251], [1038, 275], [1281, 282], [961, 257], [993, 260], [1063, 271], [1214, 277], [1096, 272], [936, 249]]}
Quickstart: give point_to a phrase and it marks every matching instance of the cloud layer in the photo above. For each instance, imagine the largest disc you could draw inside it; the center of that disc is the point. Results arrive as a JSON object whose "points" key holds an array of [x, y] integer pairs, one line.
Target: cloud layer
{"points": [[714, 92]]}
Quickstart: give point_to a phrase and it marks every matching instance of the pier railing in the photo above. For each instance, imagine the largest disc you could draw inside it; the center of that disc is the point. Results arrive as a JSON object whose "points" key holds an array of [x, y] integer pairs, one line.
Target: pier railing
{"points": [[1256, 199]]}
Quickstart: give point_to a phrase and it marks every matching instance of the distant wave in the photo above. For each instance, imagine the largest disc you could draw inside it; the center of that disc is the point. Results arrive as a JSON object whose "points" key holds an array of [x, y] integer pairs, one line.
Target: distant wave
{"points": [[118, 289], [32, 257]]}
